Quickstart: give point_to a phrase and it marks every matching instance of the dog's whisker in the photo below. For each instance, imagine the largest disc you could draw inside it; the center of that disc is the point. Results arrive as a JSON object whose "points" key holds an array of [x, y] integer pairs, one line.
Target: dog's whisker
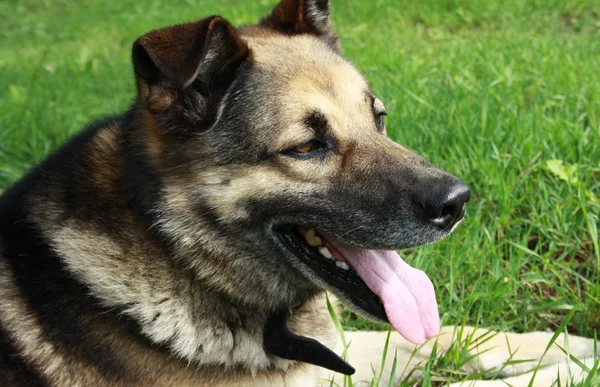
{"points": [[349, 231]]}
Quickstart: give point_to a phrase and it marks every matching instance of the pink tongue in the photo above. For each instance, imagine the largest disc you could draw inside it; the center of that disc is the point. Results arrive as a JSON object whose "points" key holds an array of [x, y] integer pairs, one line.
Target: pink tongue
{"points": [[407, 293]]}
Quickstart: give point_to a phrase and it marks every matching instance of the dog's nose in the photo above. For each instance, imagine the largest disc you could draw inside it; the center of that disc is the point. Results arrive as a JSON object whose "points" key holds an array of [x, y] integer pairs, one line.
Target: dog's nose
{"points": [[444, 203]]}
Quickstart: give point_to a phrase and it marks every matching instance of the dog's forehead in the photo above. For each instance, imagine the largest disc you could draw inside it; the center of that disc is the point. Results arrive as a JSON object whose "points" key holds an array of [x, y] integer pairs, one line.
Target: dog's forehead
{"points": [[306, 75], [302, 54], [305, 63]]}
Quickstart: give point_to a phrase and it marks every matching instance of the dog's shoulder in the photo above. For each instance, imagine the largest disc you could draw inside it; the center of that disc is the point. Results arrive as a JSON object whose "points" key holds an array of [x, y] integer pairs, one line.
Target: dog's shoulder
{"points": [[45, 308]]}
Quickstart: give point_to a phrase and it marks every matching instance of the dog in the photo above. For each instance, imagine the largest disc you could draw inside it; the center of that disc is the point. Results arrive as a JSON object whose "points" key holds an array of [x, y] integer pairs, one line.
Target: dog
{"points": [[190, 241]]}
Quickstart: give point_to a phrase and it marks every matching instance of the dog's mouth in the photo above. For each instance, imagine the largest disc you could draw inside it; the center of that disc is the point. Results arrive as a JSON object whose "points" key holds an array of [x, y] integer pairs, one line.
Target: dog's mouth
{"points": [[377, 282]]}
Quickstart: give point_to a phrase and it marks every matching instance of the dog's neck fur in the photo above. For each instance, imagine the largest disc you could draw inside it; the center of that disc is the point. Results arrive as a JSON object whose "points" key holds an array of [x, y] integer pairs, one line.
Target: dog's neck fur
{"points": [[127, 269]]}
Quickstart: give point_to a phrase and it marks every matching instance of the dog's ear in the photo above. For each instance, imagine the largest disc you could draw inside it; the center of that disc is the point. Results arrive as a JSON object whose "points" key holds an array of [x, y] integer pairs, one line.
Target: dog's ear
{"points": [[207, 50], [184, 71], [293, 17]]}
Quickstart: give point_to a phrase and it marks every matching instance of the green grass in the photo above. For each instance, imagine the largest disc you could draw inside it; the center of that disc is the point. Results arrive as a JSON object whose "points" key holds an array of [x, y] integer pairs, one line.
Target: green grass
{"points": [[492, 91]]}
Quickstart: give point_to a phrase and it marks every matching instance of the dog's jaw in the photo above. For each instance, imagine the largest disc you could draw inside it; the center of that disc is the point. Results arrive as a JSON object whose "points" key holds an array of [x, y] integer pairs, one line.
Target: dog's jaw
{"points": [[377, 283]]}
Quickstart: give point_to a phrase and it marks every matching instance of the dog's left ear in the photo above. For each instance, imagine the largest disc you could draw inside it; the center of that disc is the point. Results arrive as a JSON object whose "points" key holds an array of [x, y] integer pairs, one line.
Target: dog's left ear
{"points": [[294, 17]]}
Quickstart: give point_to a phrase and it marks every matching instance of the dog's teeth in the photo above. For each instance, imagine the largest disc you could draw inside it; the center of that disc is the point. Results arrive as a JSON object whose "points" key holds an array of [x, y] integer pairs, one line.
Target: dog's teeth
{"points": [[342, 265], [311, 239], [324, 251], [309, 234], [316, 241]]}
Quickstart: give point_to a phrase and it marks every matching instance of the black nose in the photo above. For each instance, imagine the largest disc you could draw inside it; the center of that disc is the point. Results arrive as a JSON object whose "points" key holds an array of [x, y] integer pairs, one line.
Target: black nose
{"points": [[443, 203]]}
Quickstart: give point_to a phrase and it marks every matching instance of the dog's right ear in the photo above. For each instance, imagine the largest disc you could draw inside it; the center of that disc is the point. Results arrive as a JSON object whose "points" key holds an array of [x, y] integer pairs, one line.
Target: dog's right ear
{"points": [[206, 52], [184, 71]]}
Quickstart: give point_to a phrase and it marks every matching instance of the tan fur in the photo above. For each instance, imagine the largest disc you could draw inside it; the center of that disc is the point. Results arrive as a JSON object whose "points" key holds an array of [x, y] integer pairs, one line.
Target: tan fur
{"points": [[103, 149], [320, 80], [30, 341], [155, 138], [157, 369]]}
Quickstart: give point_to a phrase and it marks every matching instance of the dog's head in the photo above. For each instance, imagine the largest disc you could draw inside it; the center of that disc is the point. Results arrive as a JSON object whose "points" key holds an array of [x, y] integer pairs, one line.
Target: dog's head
{"points": [[274, 177]]}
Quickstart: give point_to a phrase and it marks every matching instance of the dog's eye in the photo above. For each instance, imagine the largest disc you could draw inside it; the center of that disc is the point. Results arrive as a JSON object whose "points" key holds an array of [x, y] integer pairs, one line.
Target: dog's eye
{"points": [[380, 113], [307, 148], [380, 117]]}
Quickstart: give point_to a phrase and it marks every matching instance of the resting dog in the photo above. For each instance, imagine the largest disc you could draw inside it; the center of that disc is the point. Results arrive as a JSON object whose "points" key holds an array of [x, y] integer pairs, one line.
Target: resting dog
{"points": [[190, 240]]}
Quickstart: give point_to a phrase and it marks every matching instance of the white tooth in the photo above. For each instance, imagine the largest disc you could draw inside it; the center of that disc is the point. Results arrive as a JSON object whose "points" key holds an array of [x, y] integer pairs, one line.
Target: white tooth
{"points": [[342, 265], [311, 239], [325, 252]]}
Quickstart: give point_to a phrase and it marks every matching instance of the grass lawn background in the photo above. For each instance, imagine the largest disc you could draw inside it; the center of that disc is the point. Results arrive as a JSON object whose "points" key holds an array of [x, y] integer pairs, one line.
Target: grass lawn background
{"points": [[504, 94]]}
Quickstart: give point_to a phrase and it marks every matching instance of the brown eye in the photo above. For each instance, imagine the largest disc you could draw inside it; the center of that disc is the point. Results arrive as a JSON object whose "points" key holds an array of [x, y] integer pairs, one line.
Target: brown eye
{"points": [[306, 147]]}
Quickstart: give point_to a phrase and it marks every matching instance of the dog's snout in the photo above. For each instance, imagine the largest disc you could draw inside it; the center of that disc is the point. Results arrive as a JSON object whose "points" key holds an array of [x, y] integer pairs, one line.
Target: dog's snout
{"points": [[443, 204]]}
